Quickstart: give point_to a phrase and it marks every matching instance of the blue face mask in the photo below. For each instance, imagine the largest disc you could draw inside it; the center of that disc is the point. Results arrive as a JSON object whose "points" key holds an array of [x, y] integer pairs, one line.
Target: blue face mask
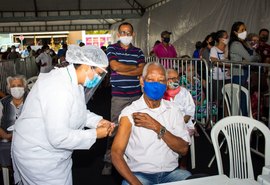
{"points": [[92, 83], [154, 90]]}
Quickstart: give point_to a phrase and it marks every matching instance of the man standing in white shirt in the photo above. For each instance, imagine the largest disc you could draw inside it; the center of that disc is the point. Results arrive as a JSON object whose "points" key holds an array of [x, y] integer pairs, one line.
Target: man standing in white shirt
{"points": [[151, 135], [45, 60]]}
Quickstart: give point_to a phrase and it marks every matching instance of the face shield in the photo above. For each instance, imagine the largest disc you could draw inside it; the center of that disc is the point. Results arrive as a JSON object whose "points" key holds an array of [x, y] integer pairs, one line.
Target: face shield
{"points": [[95, 58], [91, 86]]}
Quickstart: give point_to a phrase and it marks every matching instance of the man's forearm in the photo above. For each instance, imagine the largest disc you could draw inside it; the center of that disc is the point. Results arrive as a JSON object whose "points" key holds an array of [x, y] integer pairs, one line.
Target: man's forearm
{"points": [[135, 72], [123, 169], [175, 143], [131, 73], [120, 67]]}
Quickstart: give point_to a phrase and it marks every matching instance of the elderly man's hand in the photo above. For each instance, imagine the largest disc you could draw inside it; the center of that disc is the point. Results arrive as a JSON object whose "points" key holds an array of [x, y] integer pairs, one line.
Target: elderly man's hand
{"points": [[144, 120]]}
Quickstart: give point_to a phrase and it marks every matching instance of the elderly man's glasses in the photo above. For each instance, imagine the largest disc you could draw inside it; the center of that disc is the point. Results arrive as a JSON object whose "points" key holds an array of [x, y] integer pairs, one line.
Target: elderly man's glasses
{"points": [[173, 79], [125, 33]]}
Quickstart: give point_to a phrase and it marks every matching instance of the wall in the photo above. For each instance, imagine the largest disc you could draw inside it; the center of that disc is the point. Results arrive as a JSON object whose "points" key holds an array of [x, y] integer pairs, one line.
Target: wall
{"points": [[191, 20]]}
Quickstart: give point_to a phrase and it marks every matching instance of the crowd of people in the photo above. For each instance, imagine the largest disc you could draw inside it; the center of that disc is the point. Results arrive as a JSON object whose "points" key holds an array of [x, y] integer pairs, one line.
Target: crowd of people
{"points": [[152, 108]]}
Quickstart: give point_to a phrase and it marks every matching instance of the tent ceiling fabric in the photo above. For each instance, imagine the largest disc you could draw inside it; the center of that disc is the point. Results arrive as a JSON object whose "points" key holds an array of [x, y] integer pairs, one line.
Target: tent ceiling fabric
{"points": [[68, 15]]}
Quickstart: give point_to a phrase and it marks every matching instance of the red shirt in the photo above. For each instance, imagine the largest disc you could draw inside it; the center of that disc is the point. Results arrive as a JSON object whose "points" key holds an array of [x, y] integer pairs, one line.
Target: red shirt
{"points": [[162, 51]]}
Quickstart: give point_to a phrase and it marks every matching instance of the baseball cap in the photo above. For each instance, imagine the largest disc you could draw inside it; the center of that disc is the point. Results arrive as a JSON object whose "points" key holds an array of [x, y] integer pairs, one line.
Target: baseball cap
{"points": [[165, 33]]}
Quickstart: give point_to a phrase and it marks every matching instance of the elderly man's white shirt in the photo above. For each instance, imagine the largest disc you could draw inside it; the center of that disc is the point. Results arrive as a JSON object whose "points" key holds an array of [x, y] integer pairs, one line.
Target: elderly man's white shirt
{"points": [[145, 152], [186, 104]]}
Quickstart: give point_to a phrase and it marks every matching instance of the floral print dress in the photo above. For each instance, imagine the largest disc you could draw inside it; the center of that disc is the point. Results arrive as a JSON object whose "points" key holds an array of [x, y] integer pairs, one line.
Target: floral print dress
{"points": [[198, 96]]}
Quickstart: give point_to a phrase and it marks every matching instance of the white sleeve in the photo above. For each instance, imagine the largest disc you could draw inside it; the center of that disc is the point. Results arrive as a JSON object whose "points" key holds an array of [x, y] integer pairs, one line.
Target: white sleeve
{"points": [[92, 119], [190, 105], [185, 102], [213, 53], [57, 107]]}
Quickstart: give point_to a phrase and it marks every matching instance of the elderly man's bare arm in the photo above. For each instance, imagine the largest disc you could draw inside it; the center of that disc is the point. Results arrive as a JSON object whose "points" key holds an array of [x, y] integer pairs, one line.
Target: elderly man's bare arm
{"points": [[118, 148]]}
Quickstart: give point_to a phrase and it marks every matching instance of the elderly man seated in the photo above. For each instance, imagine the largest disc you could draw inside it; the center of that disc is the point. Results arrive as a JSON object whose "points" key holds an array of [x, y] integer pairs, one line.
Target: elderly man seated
{"points": [[151, 135], [180, 96]]}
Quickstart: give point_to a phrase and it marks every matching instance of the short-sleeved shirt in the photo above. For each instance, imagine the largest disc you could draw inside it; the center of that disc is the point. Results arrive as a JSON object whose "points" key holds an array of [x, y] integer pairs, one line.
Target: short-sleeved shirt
{"points": [[46, 62], [122, 85], [162, 51], [218, 72], [145, 152], [185, 103]]}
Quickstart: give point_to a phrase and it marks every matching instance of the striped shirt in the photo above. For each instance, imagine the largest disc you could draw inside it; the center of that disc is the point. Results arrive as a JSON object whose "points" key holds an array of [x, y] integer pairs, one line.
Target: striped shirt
{"points": [[125, 86]]}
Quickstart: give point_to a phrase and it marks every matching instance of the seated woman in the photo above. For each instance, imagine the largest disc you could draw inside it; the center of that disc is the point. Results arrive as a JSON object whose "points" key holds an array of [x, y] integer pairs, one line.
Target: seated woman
{"points": [[10, 109], [192, 82]]}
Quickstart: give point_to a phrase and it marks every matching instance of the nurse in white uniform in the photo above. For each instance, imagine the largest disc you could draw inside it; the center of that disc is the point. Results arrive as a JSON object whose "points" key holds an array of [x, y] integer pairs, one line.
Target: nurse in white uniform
{"points": [[53, 120]]}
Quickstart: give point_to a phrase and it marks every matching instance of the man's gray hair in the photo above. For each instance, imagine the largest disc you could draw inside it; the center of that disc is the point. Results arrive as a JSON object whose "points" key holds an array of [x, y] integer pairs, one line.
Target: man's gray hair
{"points": [[171, 70], [145, 69], [16, 77]]}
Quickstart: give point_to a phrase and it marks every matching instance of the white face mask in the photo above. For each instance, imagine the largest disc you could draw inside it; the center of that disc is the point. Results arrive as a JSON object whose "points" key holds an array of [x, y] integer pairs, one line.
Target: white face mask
{"points": [[225, 41], [17, 92], [242, 35], [126, 40]]}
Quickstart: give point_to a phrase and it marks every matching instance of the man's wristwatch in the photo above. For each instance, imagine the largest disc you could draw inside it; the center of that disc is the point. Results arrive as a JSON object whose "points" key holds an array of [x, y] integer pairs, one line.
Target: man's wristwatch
{"points": [[161, 132]]}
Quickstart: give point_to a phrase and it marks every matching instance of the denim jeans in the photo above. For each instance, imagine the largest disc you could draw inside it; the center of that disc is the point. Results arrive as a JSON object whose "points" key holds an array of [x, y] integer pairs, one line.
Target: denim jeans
{"points": [[162, 177]]}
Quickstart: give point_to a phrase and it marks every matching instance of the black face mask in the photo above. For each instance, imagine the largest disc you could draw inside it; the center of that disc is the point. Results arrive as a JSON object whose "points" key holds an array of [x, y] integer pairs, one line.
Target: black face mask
{"points": [[264, 38], [166, 40], [212, 43]]}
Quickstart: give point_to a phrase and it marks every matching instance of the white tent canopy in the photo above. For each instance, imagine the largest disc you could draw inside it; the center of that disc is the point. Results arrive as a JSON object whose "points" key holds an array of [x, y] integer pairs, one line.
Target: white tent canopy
{"points": [[191, 20], [67, 15], [188, 20]]}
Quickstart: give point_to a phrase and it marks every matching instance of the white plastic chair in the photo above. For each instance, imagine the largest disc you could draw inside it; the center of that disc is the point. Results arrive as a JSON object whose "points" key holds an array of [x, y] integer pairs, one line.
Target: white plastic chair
{"points": [[31, 81], [231, 93], [237, 132], [264, 178], [5, 173]]}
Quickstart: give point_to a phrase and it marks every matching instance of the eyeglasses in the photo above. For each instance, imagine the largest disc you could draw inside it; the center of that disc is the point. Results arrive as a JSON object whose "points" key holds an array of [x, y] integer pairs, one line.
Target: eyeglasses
{"points": [[255, 40], [125, 33], [173, 79]]}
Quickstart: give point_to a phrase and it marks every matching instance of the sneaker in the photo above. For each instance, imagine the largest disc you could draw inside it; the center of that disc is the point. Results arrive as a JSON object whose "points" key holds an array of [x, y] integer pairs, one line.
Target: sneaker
{"points": [[107, 170]]}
